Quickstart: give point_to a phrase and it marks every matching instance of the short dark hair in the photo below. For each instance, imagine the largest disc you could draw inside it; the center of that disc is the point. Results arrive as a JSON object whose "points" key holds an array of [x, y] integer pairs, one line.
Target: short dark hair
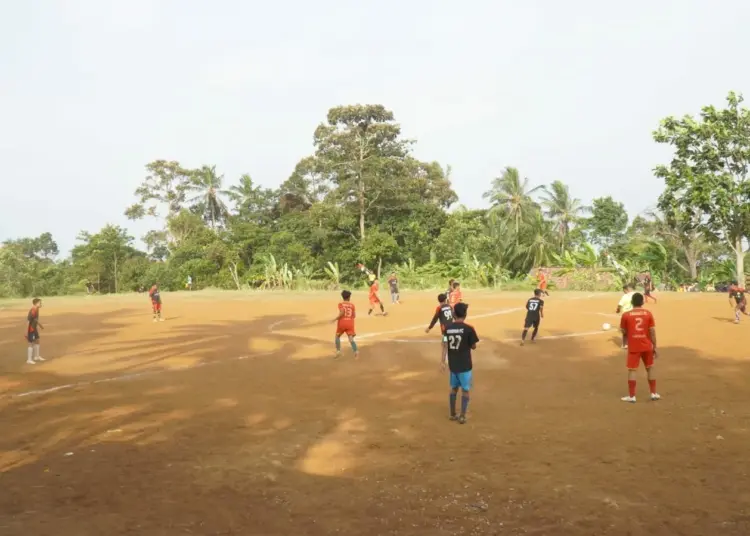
{"points": [[456, 284], [637, 300], [345, 294], [442, 297], [460, 309], [537, 292], [36, 301]]}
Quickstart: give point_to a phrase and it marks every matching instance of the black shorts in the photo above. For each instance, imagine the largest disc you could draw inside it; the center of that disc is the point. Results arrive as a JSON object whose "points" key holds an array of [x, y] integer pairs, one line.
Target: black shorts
{"points": [[32, 336], [647, 291], [531, 322]]}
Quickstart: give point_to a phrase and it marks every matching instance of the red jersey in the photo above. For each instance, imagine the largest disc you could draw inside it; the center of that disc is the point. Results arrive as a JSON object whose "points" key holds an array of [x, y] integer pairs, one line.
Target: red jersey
{"points": [[33, 318], [637, 324], [347, 314], [455, 297], [542, 280], [374, 288]]}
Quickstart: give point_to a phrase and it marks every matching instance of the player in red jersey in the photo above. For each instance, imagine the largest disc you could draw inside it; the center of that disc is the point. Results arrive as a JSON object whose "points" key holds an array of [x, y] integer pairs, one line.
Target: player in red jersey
{"points": [[345, 323], [32, 332], [455, 296], [639, 328], [737, 300], [542, 280], [156, 303], [374, 299], [444, 315]]}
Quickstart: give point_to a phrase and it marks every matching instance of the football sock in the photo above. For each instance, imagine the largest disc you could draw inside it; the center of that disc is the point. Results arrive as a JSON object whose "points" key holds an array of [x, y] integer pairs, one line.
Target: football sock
{"points": [[338, 344], [533, 333], [631, 387], [36, 350], [354, 345], [464, 404], [382, 309], [30, 354], [453, 404], [652, 386], [523, 335]]}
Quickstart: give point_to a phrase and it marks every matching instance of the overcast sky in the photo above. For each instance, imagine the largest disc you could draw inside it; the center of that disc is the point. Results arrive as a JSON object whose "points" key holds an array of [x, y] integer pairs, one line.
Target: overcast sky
{"points": [[92, 90]]}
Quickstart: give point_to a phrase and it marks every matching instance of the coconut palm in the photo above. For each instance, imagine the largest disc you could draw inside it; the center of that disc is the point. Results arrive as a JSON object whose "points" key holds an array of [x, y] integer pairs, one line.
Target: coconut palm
{"points": [[205, 185], [563, 209], [512, 196]]}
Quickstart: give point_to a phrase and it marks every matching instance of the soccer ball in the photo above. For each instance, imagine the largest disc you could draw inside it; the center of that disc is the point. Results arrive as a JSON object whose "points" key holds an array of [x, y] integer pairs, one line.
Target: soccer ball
{"points": [[606, 327]]}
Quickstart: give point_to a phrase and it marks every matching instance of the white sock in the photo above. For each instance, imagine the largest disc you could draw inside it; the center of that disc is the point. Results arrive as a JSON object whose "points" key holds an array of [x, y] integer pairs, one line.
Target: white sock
{"points": [[36, 350], [30, 354]]}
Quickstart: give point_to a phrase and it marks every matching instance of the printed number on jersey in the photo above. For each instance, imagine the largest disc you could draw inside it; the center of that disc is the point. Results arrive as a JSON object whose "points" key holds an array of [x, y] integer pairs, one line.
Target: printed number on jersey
{"points": [[347, 312], [533, 306], [639, 323], [447, 314], [454, 341]]}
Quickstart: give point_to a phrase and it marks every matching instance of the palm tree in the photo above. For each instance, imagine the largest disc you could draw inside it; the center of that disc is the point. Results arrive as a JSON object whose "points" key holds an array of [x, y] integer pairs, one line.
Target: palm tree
{"points": [[512, 196], [562, 209], [538, 244], [207, 201]]}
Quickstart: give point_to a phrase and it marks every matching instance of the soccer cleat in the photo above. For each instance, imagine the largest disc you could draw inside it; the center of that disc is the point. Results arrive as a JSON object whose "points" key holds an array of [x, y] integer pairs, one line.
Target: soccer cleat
{"points": [[338, 355], [522, 343], [39, 358], [454, 417], [161, 320], [655, 396], [30, 362], [356, 355], [630, 399], [462, 419], [155, 320]]}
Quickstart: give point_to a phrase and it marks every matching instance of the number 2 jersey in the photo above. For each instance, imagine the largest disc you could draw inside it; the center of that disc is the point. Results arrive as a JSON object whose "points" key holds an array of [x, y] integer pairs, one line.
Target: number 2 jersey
{"points": [[534, 308], [444, 315]]}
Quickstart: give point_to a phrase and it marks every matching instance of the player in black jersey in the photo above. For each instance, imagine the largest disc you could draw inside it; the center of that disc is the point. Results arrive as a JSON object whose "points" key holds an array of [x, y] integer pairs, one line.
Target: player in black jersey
{"points": [[444, 315], [462, 339], [737, 300], [534, 315]]}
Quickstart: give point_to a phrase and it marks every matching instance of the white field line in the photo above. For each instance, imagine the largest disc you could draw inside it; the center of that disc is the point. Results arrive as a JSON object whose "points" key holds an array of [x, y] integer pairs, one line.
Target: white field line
{"points": [[549, 337]]}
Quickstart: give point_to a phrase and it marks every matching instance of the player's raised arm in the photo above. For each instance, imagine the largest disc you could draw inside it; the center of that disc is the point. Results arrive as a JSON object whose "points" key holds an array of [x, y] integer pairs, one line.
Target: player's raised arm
{"points": [[434, 320]]}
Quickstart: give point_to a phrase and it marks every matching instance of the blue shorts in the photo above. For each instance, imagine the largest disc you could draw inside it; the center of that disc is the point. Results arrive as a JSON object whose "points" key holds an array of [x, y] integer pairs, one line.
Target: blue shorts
{"points": [[462, 380]]}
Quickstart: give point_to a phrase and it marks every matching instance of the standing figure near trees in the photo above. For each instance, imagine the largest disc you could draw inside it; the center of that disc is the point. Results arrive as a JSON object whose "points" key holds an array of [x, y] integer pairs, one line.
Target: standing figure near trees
{"points": [[648, 286], [156, 303], [393, 284], [542, 279]]}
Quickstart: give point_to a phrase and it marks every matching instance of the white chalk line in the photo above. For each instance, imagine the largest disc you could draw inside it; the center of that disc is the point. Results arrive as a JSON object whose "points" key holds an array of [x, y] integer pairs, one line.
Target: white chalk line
{"points": [[543, 338]]}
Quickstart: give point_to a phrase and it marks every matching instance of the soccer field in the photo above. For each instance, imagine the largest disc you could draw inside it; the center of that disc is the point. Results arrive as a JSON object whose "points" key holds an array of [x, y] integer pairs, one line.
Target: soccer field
{"points": [[232, 417]]}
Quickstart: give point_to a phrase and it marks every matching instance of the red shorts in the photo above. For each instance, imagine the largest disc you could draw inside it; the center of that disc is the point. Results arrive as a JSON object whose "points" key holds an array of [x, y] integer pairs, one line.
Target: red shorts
{"points": [[156, 306], [635, 358], [345, 330], [374, 300]]}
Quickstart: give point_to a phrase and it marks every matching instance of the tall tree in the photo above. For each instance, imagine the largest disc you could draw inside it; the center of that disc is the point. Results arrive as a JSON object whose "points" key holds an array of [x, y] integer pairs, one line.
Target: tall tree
{"points": [[361, 151], [102, 255], [252, 202], [608, 221], [206, 195], [512, 196], [165, 185], [709, 171], [563, 209]]}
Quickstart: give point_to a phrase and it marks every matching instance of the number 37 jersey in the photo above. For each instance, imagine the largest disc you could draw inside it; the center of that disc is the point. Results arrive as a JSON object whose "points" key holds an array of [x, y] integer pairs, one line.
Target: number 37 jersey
{"points": [[460, 338]]}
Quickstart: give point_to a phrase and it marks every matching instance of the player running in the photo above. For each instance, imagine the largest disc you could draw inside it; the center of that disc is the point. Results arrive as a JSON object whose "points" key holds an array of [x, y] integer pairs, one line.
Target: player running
{"points": [[648, 287], [374, 299], [462, 339], [534, 315], [345, 323], [455, 296], [625, 305], [542, 279], [155, 296], [737, 300], [32, 333], [638, 327], [444, 315]]}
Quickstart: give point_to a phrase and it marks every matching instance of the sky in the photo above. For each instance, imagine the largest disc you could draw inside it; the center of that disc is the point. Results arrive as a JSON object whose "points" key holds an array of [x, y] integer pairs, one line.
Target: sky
{"points": [[93, 90]]}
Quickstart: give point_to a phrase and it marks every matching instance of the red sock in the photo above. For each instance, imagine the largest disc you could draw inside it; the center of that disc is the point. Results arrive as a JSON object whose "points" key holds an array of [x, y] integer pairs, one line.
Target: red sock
{"points": [[652, 386], [631, 387]]}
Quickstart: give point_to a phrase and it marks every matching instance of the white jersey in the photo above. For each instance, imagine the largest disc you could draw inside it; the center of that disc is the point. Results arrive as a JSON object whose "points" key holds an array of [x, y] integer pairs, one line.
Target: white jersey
{"points": [[626, 302]]}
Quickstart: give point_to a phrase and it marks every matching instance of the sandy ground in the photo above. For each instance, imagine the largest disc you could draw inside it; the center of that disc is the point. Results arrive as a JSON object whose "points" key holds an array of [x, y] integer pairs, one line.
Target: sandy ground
{"points": [[231, 417]]}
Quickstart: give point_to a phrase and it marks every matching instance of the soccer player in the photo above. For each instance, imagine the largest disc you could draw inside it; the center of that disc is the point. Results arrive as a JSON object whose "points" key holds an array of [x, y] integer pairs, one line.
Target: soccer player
{"points": [[625, 305], [189, 284], [156, 303], [648, 287], [737, 300], [444, 315], [462, 339], [542, 278], [639, 328], [393, 284], [455, 296], [32, 332], [534, 315], [345, 323], [450, 288], [374, 299]]}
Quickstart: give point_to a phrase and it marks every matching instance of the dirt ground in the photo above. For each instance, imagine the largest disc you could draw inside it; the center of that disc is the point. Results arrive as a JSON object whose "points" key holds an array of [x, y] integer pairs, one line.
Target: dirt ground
{"points": [[231, 417]]}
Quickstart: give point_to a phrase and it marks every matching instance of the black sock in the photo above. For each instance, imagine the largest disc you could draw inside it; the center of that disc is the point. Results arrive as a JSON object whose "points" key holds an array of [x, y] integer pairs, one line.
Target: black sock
{"points": [[382, 309], [523, 335], [453, 404], [533, 333]]}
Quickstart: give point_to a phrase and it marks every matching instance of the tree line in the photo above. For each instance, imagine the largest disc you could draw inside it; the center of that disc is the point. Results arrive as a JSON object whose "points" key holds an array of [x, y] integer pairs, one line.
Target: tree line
{"points": [[362, 196]]}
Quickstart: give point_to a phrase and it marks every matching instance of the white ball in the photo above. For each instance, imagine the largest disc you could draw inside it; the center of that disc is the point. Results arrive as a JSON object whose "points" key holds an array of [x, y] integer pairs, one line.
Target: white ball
{"points": [[606, 327]]}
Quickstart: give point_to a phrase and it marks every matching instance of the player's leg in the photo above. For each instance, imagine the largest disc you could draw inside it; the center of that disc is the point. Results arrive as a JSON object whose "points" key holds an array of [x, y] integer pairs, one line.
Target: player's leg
{"points": [[737, 309], [372, 306], [158, 310], [153, 309], [632, 363], [526, 326], [465, 379], [37, 356], [337, 342], [30, 350], [536, 330], [455, 384], [648, 361], [382, 309], [353, 344]]}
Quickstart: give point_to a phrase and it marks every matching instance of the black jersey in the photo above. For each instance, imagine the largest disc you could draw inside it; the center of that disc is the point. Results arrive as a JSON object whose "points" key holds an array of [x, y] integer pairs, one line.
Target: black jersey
{"points": [[534, 307], [443, 314]]}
